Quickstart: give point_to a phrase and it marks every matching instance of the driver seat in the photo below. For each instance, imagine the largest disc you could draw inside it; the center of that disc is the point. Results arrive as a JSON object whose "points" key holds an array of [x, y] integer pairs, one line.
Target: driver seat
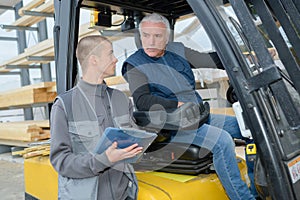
{"points": [[174, 157]]}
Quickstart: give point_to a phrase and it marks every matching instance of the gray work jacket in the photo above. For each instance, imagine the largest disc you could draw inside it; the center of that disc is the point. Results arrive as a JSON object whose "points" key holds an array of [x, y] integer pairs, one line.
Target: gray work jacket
{"points": [[78, 119]]}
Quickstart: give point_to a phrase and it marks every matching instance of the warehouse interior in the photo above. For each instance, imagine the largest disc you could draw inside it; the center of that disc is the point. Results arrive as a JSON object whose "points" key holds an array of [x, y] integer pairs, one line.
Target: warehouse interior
{"points": [[28, 76]]}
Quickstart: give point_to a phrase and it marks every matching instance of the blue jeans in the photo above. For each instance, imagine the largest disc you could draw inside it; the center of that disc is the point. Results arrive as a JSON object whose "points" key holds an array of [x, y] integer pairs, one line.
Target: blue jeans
{"points": [[216, 136]]}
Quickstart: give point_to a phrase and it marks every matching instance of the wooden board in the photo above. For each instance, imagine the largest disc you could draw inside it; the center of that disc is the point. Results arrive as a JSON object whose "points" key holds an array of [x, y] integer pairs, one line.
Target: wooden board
{"points": [[39, 150], [28, 95], [16, 143], [25, 131], [41, 123], [19, 132], [22, 59]]}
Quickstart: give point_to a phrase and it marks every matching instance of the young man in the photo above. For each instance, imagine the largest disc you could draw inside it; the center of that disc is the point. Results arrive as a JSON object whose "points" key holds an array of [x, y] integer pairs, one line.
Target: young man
{"points": [[162, 79], [78, 119]]}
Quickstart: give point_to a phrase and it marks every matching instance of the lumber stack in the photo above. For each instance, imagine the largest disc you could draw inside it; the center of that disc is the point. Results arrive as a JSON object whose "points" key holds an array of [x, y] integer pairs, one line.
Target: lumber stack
{"points": [[46, 48], [39, 150], [29, 131], [43, 92], [42, 49]]}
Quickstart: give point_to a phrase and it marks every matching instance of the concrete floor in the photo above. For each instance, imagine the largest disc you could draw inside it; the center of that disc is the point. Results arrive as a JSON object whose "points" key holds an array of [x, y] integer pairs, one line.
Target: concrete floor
{"points": [[11, 178]]}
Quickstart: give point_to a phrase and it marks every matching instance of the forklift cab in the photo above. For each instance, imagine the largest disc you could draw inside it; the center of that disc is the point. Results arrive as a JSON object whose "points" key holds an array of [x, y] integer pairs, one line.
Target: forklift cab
{"points": [[268, 90]]}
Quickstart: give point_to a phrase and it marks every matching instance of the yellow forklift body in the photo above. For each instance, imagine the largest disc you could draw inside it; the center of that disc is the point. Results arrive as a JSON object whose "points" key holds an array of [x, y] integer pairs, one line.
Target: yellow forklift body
{"points": [[41, 182], [40, 178]]}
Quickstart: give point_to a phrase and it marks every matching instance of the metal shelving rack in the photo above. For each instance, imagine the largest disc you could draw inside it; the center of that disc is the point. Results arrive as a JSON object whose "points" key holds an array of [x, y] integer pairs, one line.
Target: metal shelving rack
{"points": [[21, 70]]}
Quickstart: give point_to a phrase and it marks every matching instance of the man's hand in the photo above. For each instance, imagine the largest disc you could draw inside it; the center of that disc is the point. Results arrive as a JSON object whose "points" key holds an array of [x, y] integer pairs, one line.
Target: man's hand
{"points": [[114, 154], [179, 104]]}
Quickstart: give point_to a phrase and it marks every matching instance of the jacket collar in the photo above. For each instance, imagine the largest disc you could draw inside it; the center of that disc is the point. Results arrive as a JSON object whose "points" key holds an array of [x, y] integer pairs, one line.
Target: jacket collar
{"points": [[92, 89]]}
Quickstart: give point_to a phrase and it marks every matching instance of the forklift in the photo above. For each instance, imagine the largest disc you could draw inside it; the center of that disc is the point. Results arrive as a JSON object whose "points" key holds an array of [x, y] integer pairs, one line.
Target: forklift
{"points": [[267, 93]]}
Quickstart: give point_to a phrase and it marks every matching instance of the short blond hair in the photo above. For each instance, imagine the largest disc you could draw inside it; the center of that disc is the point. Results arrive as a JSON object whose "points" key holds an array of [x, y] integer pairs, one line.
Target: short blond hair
{"points": [[87, 46]]}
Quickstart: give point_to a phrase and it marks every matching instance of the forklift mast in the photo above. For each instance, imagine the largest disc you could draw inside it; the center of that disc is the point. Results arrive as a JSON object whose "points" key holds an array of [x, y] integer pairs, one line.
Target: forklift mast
{"points": [[268, 94]]}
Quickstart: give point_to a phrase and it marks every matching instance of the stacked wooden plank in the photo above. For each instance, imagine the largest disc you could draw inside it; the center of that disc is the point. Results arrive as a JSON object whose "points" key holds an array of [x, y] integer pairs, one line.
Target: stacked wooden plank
{"points": [[28, 95], [42, 49], [39, 150], [46, 47], [28, 131]]}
